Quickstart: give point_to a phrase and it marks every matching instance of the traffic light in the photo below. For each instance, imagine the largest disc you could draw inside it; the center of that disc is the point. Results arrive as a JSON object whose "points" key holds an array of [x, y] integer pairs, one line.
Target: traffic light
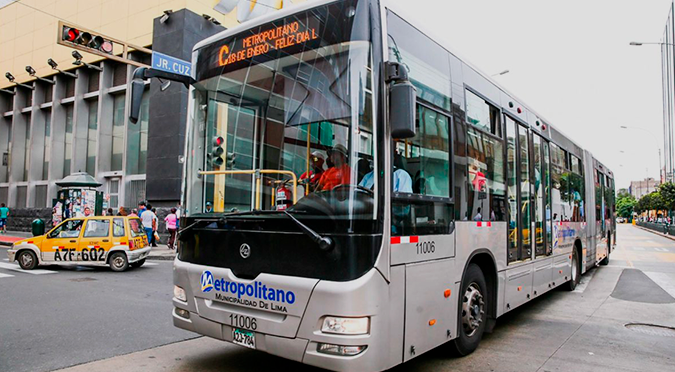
{"points": [[87, 39], [215, 155], [230, 159]]}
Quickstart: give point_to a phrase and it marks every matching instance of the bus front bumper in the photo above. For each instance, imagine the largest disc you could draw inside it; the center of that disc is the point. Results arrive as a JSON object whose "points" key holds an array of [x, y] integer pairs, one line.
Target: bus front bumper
{"points": [[296, 349]]}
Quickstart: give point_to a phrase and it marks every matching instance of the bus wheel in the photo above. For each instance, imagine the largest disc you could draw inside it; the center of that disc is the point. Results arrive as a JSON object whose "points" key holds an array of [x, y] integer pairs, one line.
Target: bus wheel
{"points": [[605, 261], [27, 260], [576, 272], [472, 311], [119, 261]]}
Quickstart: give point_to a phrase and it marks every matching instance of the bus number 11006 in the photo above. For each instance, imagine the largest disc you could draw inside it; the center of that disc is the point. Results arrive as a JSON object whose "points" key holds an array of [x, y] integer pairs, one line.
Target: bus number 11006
{"points": [[426, 247]]}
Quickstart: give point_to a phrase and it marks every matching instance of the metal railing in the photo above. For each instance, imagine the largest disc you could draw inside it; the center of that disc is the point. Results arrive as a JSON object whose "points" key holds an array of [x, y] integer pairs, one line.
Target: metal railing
{"points": [[662, 228], [258, 184]]}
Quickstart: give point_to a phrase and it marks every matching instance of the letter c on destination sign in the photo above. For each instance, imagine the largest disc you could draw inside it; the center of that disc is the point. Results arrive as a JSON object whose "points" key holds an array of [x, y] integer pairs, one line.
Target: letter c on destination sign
{"points": [[224, 50]]}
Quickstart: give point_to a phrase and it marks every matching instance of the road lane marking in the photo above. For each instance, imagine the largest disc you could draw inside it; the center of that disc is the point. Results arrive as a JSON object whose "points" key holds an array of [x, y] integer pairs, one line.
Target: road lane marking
{"points": [[661, 249], [638, 249], [150, 264], [5, 275], [19, 269], [664, 280]]}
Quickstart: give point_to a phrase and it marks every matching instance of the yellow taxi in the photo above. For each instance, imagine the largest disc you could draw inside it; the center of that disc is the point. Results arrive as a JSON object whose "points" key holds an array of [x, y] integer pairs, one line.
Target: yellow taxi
{"points": [[118, 241]]}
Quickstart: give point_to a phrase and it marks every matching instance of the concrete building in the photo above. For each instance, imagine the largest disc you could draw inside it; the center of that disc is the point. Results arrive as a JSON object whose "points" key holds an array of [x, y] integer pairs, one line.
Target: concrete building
{"points": [[56, 122], [640, 188]]}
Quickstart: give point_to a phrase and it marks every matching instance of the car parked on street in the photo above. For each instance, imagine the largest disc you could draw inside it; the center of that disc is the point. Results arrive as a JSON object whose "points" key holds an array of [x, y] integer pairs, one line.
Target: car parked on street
{"points": [[117, 241]]}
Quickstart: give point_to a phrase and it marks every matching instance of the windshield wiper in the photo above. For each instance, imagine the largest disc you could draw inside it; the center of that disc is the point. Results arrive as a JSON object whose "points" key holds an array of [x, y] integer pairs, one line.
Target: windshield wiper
{"points": [[186, 229], [325, 243]]}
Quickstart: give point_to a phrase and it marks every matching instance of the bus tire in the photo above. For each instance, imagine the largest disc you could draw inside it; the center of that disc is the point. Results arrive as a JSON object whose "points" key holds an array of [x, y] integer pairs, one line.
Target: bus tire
{"points": [[605, 261], [576, 272], [138, 263], [119, 262], [472, 312], [27, 259]]}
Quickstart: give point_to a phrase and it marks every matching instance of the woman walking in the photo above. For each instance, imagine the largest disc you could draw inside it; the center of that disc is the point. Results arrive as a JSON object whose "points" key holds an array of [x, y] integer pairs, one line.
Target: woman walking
{"points": [[171, 225]]}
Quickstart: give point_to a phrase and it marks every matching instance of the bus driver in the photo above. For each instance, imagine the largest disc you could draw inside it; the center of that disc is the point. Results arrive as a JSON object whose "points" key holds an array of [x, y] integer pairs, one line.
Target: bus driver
{"points": [[339, 173]]}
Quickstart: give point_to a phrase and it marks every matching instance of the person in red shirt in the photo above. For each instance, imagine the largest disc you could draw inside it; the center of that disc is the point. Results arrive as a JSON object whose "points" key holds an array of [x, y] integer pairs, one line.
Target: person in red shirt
{"points": [[316, 162], [340, 173]]}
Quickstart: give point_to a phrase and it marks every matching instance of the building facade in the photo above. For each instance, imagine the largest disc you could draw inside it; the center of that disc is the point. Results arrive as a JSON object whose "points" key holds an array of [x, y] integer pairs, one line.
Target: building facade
{"points": [[641, 188], [68, 118]]}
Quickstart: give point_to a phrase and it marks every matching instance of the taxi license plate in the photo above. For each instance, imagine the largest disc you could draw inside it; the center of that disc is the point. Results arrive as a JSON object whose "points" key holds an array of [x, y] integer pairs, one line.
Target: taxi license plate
{"points": [[243, 338]]}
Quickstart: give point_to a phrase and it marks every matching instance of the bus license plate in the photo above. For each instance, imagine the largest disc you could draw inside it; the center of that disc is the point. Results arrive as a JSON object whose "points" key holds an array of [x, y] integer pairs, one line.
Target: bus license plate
{"points": [[243, 338]]}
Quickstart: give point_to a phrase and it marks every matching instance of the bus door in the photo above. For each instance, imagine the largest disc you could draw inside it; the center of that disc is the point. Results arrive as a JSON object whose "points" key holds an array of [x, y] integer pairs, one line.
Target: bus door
{"points": [[521, 226], [519, 192], [542, 238], [600, 234]]}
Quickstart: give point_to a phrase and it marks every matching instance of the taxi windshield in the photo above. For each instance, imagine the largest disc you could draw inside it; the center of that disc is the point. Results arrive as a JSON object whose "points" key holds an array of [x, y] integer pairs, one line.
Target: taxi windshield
{"points": [[285, 119]]}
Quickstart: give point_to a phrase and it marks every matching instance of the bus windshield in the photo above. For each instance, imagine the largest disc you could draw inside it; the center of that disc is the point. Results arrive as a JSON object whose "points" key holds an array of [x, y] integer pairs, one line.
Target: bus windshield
{"points": [[283, 119]]}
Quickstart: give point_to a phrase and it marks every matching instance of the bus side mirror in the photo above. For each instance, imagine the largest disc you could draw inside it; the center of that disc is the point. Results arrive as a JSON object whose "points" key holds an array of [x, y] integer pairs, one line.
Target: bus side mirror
{"points": [[137, 88], [402, 101]]}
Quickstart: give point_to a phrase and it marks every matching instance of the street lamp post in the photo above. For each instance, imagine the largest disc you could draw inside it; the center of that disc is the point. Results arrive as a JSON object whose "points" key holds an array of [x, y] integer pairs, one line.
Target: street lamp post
{"points": [[657, 146]]}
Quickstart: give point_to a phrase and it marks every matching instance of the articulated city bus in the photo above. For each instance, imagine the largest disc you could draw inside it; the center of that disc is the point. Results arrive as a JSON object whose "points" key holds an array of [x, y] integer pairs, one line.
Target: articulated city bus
{"points": [[356, 195]]}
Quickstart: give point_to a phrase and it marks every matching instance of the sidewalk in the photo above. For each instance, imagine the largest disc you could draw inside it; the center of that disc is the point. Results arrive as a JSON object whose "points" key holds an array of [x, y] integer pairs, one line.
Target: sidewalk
{"points": [[161, 252]]}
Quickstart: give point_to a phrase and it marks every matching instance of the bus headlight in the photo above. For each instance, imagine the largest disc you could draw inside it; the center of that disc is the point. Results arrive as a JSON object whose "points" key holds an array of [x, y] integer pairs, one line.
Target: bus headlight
{"points": [[179, 293], [346, 326]]}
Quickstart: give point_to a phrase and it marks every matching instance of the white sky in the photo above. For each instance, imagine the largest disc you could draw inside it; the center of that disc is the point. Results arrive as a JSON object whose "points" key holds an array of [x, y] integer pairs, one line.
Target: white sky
{"points": [[572, 63]]}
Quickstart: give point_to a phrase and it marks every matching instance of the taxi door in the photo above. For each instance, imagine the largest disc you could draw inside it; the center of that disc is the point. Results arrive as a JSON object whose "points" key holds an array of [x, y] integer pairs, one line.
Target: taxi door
{"points": [[60, 245], [96, 240], [120, 232]]}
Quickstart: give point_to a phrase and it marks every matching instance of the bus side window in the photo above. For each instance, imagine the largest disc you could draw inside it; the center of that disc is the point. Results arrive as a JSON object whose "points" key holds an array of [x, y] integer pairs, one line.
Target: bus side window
{"points": [[420, 178]]}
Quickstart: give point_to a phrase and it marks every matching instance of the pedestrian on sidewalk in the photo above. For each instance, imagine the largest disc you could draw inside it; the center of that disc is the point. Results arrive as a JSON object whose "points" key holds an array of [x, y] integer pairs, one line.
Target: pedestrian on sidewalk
{"points": [[148, 220], [141, 208], [122, 212], [4, 213], [155, 225], [172, 225], [134, 213]]}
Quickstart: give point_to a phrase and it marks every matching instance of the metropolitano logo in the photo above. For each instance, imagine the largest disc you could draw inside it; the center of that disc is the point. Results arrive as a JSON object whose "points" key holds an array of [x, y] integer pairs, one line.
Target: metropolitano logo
{"points": [[207, 281]]}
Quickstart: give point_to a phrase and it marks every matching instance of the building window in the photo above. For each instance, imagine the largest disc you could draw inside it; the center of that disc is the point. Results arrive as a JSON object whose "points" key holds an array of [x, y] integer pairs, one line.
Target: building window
{"points": [[119, 74], [482, 115], [4, 192], [68, 147], [70, 88], [26, 158], [137, 140], [92, 127], [41, 196], [135, 192], [21, 192], [48, 145], [118, 133], [49, 89], [113, 192], [94, 77]]}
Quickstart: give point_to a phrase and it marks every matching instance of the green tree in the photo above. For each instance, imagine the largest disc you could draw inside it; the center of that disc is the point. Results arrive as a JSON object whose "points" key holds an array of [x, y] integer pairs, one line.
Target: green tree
{"points": [[625, 205], [667, 192]]}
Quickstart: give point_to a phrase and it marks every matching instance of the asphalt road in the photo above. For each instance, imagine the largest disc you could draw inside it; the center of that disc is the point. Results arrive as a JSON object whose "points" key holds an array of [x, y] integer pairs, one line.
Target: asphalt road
{"points": [[584, 330], [56, 317]]}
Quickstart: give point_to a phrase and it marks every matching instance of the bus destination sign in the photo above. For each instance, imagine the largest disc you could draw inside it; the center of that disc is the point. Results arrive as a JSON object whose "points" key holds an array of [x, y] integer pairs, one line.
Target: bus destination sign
{"points": [[262, 42]]}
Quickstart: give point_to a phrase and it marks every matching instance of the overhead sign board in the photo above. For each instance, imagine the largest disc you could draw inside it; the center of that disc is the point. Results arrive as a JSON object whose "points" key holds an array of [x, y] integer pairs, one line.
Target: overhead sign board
{"points": [[167, 63]]}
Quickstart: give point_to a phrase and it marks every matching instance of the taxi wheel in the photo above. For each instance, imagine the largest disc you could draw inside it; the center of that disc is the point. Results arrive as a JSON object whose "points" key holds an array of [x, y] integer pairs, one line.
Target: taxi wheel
{"points": [[119, 262], [27, 260], [138, 263]]}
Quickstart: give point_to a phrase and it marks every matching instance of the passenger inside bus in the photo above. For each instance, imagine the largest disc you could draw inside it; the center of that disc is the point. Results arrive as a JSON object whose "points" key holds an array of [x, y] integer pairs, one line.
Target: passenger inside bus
{"points": [[401, 182], [340, 171], [312, 177]]}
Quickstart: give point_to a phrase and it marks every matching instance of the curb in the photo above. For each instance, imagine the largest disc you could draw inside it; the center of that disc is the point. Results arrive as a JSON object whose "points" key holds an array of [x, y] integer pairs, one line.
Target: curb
{"points": [[656, 232], [161, 258]]}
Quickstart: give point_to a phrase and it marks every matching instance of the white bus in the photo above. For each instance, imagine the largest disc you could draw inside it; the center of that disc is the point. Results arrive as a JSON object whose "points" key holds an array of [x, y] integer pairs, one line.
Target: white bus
{"points": [[356, 195]]}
